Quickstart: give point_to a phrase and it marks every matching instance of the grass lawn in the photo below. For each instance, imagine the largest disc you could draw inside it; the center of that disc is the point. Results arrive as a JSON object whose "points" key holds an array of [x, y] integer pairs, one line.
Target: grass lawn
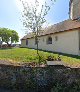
{"points": [[29, 55]]}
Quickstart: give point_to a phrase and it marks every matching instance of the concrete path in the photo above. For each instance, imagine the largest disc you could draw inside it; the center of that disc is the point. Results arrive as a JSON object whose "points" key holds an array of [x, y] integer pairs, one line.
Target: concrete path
{"points": [[55, 63]]}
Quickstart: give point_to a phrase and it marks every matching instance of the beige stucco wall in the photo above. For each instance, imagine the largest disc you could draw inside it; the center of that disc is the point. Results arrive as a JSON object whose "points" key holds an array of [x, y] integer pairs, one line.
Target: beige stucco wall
{"points": [[68, 42], [23, 43], [31, 43]]}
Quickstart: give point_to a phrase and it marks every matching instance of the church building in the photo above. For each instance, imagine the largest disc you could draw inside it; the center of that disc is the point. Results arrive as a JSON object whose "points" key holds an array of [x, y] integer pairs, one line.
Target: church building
{"points": [[62, 37]]}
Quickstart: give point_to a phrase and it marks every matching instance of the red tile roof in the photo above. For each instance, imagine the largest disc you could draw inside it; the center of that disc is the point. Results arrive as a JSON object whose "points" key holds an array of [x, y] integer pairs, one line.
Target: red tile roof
{"points": [[59, 27]]}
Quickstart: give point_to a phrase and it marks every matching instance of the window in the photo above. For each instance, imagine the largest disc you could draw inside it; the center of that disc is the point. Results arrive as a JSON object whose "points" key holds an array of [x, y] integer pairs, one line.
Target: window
{"points": [[26, 41], [56, 38], [49, 40]]}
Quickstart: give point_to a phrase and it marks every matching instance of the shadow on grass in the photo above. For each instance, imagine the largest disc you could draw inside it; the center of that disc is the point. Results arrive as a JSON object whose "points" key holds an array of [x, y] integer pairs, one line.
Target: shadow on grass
{"points": [[64, 54], [59, 53]]}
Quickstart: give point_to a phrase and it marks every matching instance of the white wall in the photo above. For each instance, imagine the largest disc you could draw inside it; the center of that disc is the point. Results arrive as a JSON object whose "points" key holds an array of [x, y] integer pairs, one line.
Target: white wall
{"points": [[68, 42], [23, 43]]}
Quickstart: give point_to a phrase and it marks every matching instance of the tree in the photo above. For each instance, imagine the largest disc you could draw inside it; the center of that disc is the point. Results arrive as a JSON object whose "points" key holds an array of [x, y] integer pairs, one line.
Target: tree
{"points": [[34, 17], [14, 37], [8, 35]]}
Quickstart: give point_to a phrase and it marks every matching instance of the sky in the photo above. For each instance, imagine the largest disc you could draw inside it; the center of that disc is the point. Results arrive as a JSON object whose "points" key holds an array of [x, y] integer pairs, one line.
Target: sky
{"points": [[10, 14]]}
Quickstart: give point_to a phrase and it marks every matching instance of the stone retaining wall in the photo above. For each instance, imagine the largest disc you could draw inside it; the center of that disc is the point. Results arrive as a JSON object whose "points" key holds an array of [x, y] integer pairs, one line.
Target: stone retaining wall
{"points": [[37, 79]]}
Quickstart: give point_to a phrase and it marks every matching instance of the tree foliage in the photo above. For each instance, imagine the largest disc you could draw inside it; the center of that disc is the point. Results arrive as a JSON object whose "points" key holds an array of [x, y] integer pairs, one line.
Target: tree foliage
{"points": [[34, 15], [8, 36]]}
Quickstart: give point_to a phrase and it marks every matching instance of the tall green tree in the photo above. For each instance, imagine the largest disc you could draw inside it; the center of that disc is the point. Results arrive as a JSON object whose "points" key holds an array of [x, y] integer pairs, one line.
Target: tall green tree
{"points": [[8, 36], [14, 37]]}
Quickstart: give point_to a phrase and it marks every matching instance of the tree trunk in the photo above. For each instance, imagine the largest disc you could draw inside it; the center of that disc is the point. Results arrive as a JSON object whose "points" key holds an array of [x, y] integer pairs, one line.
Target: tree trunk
{"points": [[1, 44], [37, 41], [38, 46], [9, 45]]}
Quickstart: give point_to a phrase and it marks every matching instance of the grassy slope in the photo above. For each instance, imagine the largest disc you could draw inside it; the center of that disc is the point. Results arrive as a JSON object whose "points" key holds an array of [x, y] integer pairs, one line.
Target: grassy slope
{"points": [[20, 55], [29, 55]]}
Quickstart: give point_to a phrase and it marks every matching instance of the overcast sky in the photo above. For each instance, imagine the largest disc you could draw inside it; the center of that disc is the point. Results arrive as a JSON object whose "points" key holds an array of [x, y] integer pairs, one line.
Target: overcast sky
{"points": [[10, 14]]}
